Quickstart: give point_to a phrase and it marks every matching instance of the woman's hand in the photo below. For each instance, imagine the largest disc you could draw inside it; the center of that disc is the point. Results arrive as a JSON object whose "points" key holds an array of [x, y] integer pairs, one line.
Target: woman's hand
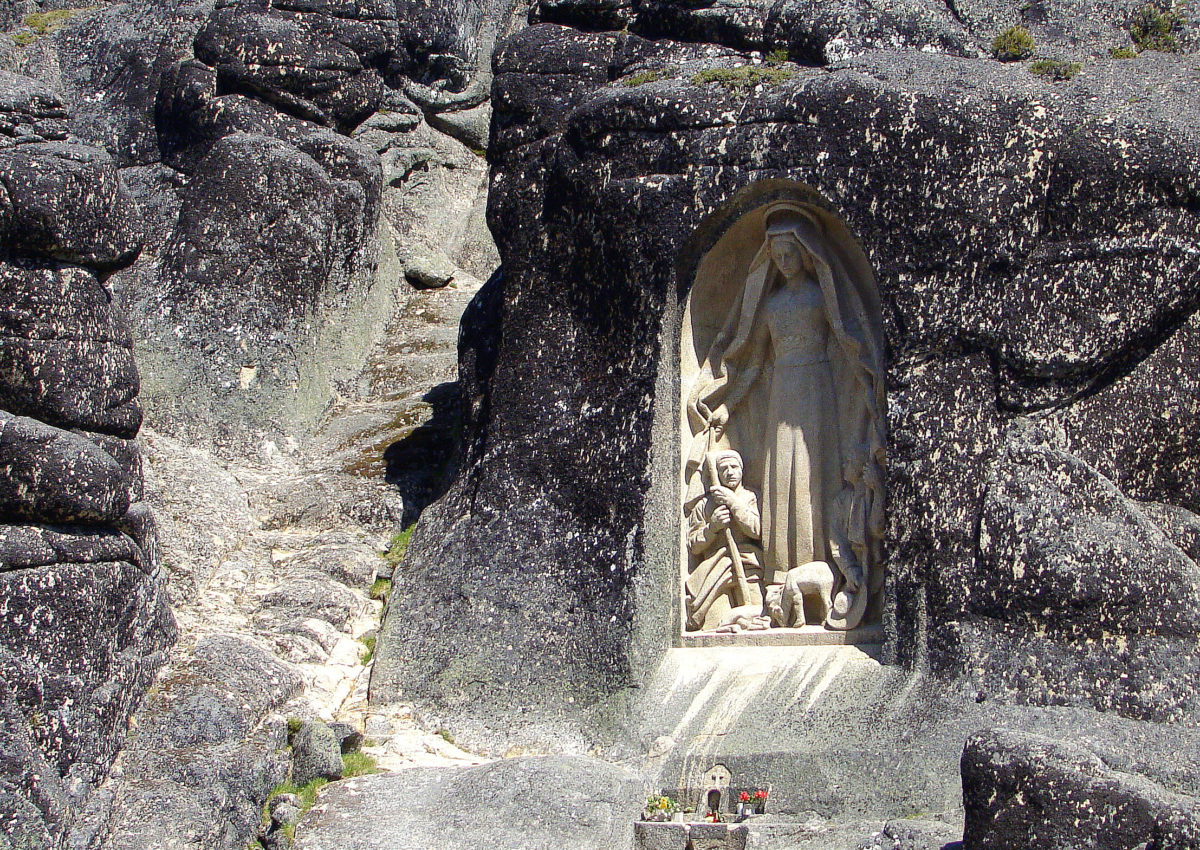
{"points": [[718, 421]]}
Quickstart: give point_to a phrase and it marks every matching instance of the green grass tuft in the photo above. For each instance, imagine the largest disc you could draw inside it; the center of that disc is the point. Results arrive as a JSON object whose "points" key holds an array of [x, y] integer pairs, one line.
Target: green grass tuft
{"points": [[745, 77], [1012, 45], [380, 589], [446, 736], [1155, 27], [1054, 69], [306, 793], [358, 764], [24, 38], [643, 77], [368, 642], [44, 23], [397, 546], [1122, 52], [777, 56]]}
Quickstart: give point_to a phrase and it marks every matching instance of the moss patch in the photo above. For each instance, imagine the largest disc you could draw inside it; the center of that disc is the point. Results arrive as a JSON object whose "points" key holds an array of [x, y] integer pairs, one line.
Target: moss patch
{"points": [[1122, 52], [1054, 69], [651, 76], [1013, 45], [368, 641], [397, 546], [380, 589], [744, 78], [44, 23]]}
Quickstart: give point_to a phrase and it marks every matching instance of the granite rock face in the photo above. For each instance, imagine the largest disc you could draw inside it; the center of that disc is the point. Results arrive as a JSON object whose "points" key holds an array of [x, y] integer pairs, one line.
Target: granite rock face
{"points": [[1034, 244], [221, 188], [1023, 790], [287, 180], [209, 745], [275, 240], [282, 60], [86, 623], [592, 806]]}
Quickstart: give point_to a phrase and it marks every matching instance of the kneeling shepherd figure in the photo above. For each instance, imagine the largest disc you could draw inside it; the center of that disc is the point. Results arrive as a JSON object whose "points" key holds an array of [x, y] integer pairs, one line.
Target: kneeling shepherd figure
{"points": [[725, 525]]}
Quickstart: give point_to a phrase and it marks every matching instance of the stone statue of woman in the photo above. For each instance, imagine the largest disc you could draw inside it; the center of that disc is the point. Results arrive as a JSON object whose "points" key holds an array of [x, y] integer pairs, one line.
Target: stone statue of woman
{"points": [[795, 378]]}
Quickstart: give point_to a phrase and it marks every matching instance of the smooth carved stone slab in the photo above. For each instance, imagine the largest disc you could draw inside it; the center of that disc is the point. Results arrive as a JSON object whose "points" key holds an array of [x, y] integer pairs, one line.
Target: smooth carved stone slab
{"points": [[807, 636], [648, 835]]}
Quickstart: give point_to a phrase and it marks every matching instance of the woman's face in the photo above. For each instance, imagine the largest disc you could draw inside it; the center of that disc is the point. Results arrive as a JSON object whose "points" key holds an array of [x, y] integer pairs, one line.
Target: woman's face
{"points": [[788, 255]]}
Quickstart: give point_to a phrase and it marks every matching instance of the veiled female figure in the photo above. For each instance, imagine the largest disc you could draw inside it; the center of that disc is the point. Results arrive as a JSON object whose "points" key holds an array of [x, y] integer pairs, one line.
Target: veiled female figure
{"points": [[795, 378]]}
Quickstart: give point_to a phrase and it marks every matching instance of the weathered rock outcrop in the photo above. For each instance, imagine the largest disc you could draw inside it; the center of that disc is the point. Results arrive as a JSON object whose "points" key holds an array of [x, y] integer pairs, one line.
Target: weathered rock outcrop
{"points": [[208, 747], [268, 162], [86, 621], [1035, 248], [289, 184]]}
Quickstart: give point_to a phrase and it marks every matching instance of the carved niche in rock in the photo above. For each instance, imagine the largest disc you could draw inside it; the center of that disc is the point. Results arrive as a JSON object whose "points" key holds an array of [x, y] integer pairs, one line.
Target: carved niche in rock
{"points": [[784, 428]]}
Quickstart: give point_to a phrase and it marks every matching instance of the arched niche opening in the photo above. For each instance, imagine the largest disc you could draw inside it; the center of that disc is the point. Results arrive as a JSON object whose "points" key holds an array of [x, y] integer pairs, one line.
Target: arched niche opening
{"points": [[782, 434]]}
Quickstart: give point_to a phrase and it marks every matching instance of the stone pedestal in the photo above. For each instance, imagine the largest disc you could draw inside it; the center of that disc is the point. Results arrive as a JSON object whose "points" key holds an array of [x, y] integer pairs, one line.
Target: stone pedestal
{"points": [[689, 836]]}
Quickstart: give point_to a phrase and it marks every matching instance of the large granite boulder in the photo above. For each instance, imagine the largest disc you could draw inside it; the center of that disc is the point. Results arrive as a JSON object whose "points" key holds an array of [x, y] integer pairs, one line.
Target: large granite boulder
{"points": [[1024, 790], [289, 65], [318, 84], [209, 746], [1034, 245], [275, 242], [69, 358], [87, 622], [295, 230], [269, 267], [107, 64]]}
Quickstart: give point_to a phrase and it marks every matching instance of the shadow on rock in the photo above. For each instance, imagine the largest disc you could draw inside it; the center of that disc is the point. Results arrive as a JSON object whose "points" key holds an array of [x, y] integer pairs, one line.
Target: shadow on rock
{"points": [[422, 464]]}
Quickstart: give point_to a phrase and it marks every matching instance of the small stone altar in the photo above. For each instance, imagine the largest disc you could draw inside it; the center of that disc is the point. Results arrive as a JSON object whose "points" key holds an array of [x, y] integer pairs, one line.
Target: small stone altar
{"points": [[682, 836], [783, 435]]}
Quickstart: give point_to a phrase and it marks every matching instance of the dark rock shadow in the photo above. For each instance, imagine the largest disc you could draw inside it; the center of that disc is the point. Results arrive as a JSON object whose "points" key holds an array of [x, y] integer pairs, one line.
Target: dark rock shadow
{"points": [[422, 464]]}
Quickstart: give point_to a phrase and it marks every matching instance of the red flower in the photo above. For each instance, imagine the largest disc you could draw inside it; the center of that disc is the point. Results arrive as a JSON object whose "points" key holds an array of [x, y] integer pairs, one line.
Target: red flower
{"points": [[744, 797], [760, 795]]}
